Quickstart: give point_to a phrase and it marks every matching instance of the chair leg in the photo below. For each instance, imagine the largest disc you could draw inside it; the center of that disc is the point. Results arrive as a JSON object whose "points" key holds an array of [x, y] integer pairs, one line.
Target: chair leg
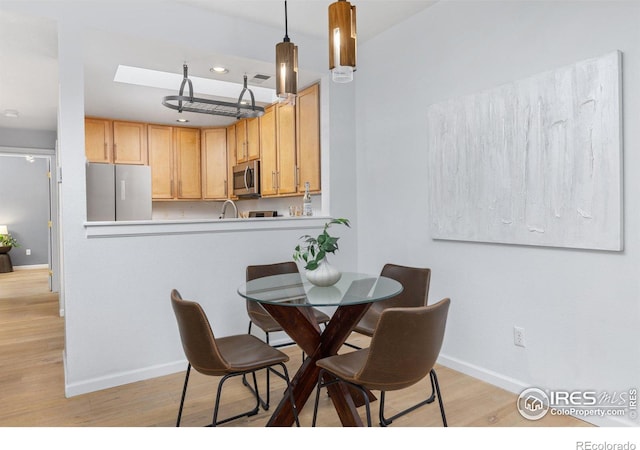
{"points": [[285, 377], [315, 405], [184, 394], [264, 403], [354, 346], [434, 388], [434, 380], [251, 412], [322, 384]]}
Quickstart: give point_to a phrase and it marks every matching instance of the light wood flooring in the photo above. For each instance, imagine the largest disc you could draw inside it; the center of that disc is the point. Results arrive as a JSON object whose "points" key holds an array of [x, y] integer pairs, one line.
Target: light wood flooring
{"points": [[32, 383]]}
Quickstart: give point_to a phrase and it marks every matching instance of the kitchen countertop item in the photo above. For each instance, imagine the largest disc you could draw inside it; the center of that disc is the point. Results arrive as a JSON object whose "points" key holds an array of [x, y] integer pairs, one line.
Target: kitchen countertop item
{"points": [[263, 214]]}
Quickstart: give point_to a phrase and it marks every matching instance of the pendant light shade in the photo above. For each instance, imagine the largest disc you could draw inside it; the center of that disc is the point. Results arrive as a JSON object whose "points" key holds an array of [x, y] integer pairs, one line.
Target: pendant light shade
{"points": [[286, 66], [342, 41]]}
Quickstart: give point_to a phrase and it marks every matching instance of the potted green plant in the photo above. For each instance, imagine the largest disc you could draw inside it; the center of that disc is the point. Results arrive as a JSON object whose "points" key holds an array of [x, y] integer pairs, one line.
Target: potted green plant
{"points": [[7, 242], [313, 252]]}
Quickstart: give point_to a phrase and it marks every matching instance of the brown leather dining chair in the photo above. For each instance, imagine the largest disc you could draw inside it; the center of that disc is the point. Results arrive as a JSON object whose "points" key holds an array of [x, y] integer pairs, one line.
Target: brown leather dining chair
{"points": [[415, 282], [403, 350], [227, 357], [262, 319]]}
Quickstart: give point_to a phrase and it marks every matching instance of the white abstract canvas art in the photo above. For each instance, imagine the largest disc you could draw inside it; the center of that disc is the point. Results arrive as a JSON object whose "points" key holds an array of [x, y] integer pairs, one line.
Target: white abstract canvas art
{"points": [[534, 162]]}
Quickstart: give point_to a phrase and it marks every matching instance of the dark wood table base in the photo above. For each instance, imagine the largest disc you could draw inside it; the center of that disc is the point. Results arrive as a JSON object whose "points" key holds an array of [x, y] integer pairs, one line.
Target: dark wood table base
{"points": [[304, 330]]}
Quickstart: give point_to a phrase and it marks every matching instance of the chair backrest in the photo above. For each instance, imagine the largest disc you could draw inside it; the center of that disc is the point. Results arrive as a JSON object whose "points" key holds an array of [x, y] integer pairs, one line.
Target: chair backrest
{"points": [[266, 270], [405, 346], [415, 282], [197, 338]]}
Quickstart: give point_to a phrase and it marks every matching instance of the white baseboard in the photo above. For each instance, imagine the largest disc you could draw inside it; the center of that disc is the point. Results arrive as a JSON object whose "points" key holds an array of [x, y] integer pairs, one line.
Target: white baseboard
{"points": [[489, 376], [517, 386], [106, 382], [31, 267]]}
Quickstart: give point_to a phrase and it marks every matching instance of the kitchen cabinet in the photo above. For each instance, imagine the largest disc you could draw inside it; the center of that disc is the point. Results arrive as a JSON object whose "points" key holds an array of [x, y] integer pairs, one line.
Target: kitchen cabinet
{"points": [[247, 140], [114, 141], [188, 164], [231, 159], [214, 163], [98, 140], [129, 143], [268, 157], [286, 145], [308, 138], [241, 141], [160, 140], [175, 160], [278, 151]]}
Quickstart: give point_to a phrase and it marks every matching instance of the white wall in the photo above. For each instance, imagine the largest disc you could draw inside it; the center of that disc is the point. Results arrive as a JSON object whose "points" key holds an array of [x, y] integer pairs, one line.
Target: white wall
{"points": [[119, 326], [580, 309], [10, 137]]}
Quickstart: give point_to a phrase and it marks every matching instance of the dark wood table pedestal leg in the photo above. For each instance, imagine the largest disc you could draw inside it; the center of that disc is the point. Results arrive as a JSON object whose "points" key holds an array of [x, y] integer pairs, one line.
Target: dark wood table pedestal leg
{"points": [[303, 329]]}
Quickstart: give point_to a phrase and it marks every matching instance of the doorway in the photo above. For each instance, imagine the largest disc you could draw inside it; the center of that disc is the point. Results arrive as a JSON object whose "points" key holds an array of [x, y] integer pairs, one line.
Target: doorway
{"points": [[28, 207]]}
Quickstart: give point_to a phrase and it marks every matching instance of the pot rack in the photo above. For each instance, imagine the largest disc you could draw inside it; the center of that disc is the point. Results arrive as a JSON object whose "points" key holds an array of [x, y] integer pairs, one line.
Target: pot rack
{"points": [[190, 103]]}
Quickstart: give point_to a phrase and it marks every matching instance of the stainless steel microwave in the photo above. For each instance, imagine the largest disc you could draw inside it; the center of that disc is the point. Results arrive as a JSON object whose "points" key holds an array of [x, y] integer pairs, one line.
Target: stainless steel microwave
{"points": [[246, 179]]}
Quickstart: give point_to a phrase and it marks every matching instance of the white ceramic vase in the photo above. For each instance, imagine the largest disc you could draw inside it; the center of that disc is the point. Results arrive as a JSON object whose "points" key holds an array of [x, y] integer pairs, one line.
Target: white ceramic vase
{"points": [[325, 275]]}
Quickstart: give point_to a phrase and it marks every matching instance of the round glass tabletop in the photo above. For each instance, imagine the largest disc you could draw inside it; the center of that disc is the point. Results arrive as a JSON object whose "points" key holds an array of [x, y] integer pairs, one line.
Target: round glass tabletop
{"points": [[294, 290]]}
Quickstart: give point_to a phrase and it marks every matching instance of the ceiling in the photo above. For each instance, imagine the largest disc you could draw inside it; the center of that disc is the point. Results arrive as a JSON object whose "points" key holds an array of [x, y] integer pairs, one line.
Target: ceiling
{"points": [[29, 72]]}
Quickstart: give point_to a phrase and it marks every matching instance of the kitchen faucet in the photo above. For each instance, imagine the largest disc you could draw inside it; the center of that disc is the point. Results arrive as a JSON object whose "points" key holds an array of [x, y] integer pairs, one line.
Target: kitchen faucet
{"points": [[224, 208]]}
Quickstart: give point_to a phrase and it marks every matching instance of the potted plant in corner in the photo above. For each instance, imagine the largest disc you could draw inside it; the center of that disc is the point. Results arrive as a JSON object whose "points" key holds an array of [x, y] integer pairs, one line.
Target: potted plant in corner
{"points": [[314, 254], [7, 242]]}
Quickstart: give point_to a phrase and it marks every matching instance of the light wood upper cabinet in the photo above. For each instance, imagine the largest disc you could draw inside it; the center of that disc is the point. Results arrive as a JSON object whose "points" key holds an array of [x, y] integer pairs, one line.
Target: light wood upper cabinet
{"points": [[214, 164], [129, 143], [98, 142], [278, 150], [247, 139], [241, 141], [253, 138], [174, 156], [268, 158], [308, 138], [188, 162], [286, 146], [161, 161], [231, 158]]}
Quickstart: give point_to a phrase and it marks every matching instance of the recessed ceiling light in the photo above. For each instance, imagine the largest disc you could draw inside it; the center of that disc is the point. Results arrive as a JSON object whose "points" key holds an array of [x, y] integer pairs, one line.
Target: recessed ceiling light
{"points": [[11, 113], [219, 69], [182, 120]]}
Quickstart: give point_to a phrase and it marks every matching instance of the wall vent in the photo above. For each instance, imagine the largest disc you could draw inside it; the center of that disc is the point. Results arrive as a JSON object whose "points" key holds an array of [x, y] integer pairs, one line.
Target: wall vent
{"points": [[259, 78]]}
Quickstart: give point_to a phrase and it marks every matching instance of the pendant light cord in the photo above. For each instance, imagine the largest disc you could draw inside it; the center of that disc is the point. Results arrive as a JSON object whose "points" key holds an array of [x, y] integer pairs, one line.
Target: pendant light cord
{"points": [[286, 24]]}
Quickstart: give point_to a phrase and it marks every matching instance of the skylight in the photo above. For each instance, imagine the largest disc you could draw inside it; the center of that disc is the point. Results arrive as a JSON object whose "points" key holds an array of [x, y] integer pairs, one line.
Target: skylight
{"points": [[171, 81]]}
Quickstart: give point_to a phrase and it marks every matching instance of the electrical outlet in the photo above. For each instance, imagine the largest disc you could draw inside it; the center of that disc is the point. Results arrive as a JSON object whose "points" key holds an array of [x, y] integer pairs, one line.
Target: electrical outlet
{"points": [[28, 252], [518, 336]]}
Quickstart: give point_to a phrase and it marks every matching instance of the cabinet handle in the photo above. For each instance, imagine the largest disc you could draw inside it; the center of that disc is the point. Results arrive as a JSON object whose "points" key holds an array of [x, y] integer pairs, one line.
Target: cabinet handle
{"points": [[278, 180], [115, 152], [273, 180], [296, 176], [226, 188], [171, 192], [105, 152]]}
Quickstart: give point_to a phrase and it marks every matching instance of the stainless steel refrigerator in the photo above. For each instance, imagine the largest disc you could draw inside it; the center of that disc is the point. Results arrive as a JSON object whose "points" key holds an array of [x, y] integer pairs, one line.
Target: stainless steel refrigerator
{"points": [[118, 192]]}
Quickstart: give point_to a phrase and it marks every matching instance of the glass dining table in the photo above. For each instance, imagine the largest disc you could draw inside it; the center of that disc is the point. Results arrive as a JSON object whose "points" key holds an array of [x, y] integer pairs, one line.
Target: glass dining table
{"points": [[289, 298]]}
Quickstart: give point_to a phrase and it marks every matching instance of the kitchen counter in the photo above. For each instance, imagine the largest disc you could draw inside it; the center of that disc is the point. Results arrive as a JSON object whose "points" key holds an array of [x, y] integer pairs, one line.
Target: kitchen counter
{"points": [[192, 226]]}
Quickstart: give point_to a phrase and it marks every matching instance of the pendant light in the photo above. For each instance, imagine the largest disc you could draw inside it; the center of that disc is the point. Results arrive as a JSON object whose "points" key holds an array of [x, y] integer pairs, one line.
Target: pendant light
{"points": [[342, 41], [286, 66]]}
